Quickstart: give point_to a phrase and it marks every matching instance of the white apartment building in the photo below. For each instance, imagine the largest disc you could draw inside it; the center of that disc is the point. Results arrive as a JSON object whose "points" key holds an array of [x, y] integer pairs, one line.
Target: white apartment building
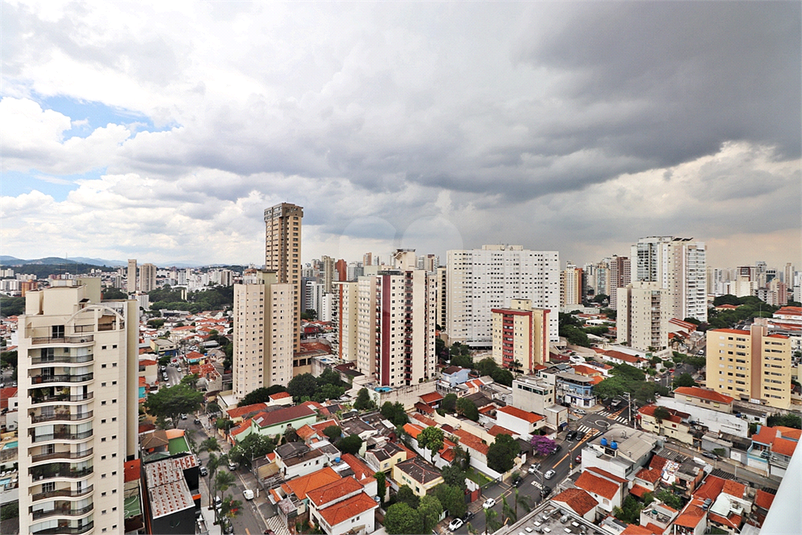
{"points": [[644, 310], [389, 320], [571, 291], [678, 265], [479, 280], [264, 334], [78, 384], [130, 277]]}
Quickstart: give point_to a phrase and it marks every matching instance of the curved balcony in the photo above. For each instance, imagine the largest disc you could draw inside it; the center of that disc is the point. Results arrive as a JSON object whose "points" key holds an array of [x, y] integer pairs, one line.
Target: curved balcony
{"points": [[58, 470], [67, 530], [63, 509], [72, 339], [67, 455], [62, 493], [60, 417], [61, 435], [62, 378], [62, 359], [61, 398]]}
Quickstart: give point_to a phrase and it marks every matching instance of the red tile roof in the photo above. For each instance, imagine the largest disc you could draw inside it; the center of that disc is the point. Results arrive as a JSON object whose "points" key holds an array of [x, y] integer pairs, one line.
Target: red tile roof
{"points": [[623, 356], [239, 412], [268, 419], [597, 485], [764, 499], [240, 428], [649, 474], [497, 430], [431, 397], [657, 462], [280, 395], [131, 470], [333, 491], [471, 441], [421, 406], [428, 422], [305, 432], [733, 488], [783, 447], [634, 529], [703, 393], [577, 499], [730, 331], [301, 486], [342, 511], [791, 311], [734, 521], [5, 393], [711, 488], [638, 491], [527, 416], [691, 515], [321, 426], [607, 475], [674, 415], [361, 470]]}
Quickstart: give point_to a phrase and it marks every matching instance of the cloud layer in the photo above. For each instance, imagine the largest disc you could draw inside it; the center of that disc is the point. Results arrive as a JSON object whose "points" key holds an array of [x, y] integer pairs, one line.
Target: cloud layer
{"points": [[576, 127]]}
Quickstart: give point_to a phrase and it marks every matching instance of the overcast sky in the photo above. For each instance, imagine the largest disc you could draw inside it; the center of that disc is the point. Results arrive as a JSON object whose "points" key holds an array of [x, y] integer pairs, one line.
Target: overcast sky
{"points": [[162, 131]]}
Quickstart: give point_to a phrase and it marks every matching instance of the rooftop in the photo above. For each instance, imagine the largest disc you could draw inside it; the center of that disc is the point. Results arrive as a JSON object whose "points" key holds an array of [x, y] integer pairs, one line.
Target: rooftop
{"points": [[342, 511], [703, 393], [530, 417], [333, 491], [577, 499], [302, 485], [419, 470]]}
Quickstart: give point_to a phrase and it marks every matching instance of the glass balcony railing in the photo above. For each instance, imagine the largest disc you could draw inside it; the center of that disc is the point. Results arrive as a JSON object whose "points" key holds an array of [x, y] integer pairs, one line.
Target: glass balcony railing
{"points": [[62, 417], [47, 398], [65, 435], [57, 470], [63, 509], [61, 493], [67, 530], [62, 378], [69, 359], [66, 339], [61, 455]]}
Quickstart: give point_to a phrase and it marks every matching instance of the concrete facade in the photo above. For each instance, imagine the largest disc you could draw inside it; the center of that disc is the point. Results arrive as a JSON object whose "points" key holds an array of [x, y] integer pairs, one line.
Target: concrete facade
{"points": [[520, 334]]}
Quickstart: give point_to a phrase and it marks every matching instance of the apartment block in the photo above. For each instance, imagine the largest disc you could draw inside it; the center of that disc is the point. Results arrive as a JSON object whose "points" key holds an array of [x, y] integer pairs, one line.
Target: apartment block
{"points": [[520, 334], [131, 276], [78, 383], [389, 320], [147, 278], [751, 365], [283, 255], [571, 286], [644, 312], [479, 280], [620, 276], [264, 334]]}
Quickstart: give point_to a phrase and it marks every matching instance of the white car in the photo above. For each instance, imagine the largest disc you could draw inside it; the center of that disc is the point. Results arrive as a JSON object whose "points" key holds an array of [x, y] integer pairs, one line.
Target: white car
{"points": [[490, 502], [534, 468], [580, 411], [455, 524], [247, 494], [549, 474]]}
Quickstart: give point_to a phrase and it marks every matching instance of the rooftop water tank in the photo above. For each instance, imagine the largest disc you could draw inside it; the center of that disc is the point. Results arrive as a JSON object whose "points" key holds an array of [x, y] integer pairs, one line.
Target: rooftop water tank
{"points": [[603, 441], [614, 445]]}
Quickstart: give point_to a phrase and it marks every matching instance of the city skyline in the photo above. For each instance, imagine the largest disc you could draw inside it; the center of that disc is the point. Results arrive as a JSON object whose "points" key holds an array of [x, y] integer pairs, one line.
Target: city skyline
{"points": [[578, 128]]}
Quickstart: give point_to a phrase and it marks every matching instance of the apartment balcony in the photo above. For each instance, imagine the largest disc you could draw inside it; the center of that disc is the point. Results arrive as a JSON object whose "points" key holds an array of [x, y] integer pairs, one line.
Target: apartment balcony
{"points": [[74, 339], [63, 508], [62, 493], [63, 359], [58, 398], [62, 378], [61, 416], [59, 470], [66, 530], [67, 455], [61, 435]]}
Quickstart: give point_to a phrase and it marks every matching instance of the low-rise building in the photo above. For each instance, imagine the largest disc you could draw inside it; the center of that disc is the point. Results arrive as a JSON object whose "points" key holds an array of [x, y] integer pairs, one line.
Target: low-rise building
{"points": [[531, 393], [522, 422], [419, 475], [772, 449], [621, 451], [674, 424], [383, 459], [579, 502], [342, 507], [607, 489]]}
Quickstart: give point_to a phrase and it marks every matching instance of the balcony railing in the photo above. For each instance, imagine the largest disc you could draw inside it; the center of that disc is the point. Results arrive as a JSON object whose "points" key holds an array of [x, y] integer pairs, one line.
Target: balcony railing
{"points": [[67, 339], [49, 472], [63, 511], [67, 493], [64, 417], [62, 436], [70, 359], [61, 397], [61, 455], [62, 378], [67, 530]]}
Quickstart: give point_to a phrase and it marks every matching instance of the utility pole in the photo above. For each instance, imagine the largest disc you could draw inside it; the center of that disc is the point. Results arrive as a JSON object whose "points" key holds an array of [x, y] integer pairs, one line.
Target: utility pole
{"points": [[629, 407]]}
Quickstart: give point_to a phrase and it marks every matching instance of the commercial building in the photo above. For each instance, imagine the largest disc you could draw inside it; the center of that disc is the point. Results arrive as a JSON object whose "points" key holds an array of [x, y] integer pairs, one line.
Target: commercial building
{"points": [[147, 278], [532, 393], [678, 265], [520, 335], [479, 280], [644, 312], [283, 255], [750, 365], [78, 385], [263, 334]]}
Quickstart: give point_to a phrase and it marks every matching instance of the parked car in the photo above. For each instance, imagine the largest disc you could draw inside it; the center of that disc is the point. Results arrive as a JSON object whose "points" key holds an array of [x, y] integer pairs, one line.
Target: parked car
{"points": [[196, 421], [545, 492], [203, 471], [578, 458], [556, 449], [549, 474], [709, 455], [517, 481], [571, 435], [580, 435], [247, 494], [490, 502], [580, 411], [218, 502], [455, 524], [467, 516], [232, 465], [183, 416]]}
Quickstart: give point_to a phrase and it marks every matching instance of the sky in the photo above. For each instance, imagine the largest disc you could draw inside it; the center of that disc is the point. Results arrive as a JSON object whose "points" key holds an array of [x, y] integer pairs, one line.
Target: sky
{"points": [[162, 130]]}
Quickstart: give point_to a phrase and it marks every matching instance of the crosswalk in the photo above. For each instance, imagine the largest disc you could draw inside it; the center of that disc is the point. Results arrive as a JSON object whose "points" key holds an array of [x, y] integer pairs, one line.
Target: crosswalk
{"points": [[619, 419], [587, 429]]}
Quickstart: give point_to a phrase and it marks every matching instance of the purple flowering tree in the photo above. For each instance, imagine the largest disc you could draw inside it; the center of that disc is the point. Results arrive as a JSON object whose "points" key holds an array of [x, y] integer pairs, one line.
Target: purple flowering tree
{"points": [[543, 445]]}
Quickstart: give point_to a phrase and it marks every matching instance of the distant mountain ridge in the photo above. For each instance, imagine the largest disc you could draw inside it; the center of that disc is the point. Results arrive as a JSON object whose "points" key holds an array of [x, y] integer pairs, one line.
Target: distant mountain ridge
{"points": [[6, 260]]}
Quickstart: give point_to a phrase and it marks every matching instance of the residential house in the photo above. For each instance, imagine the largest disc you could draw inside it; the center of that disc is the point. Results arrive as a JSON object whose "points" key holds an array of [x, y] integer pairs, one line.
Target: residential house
{"points": [[455, 375], [276, 422], [297, 459], [383, 459], [657, 517], [621, 451], [579, 502], [531, 393], [300, 486], [607, 489], [772, 448], [676, 425], [419, 475], [521, 422], [343, 507]]}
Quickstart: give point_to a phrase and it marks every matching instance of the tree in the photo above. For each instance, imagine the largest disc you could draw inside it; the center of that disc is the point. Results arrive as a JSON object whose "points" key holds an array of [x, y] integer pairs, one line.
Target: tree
{"points": [[449, 403], [174, 401], [401, 519], [291, 435], [486, 366], [502, 376], [191, 380], [210, 444], [381, 484], [395, 413], [522, 500], [454, 476], [506, 511], [629, 511], [253, 446], [301, 386], [363, 401], [451, 498], [684, 380], [429, 510], [260, 395], [787, 420], [431, 439], [333, 432], [661, 413], [575, 336], [670, 499], [542, 445], [467, 408], [407, 496], [491, 520], [328, 391], [502, 452], [350, 444]]}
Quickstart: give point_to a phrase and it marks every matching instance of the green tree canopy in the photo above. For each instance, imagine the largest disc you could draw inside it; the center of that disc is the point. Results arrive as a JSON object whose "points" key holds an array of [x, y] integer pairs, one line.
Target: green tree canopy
{"points": [[174, 401], [454, 476], [449, 402], [350, 444], [429, 510], [431, 439], [502, 452], [402, 519], [502, 376], [395, 413], [381, 485], [486, 366], [407, 496], [302, 386], [467, 408], [260, 395], [787, 420], [363, 401], [253, 446], [670, 499], [684, 380], [452, 498], [333, 432], [661, 413]]}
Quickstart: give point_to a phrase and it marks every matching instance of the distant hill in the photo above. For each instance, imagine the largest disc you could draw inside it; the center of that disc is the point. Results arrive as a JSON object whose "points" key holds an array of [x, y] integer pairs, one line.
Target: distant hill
{"points": [[6, 260]]}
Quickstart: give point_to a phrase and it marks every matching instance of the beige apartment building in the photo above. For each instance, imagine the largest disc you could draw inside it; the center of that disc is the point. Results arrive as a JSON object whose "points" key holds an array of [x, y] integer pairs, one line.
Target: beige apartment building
{"points": [[750, 365], [78, 382], [393, 328], [571, 285], [264, 334], [520, 334], [130, 277], [644, 310], [147, 278], [283, 256]]}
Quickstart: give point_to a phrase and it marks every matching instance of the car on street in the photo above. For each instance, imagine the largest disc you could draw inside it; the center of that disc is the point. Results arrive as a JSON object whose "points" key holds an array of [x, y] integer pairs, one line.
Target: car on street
{"points": [[549, 474], [517, 481], [534, 468], [183, 416], [226, 526], [709, 455], [232, 465], [196, 421], [467, 516], [556, 449], [203, 471], [580, 435], [490, 502], [545, 492], [247, 494], [571, 435], [218, 502], [578, 458], [455, 524], [580, 411]]}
